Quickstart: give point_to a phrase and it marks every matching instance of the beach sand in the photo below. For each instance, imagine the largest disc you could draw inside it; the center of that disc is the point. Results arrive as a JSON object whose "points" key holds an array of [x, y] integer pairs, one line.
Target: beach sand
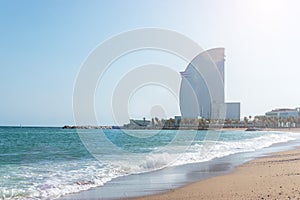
{"points": [[276, 176]]}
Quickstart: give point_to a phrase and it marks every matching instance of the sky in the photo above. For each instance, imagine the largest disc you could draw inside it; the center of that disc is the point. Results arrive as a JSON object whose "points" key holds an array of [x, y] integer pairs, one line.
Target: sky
{"points": [[44, 43]]}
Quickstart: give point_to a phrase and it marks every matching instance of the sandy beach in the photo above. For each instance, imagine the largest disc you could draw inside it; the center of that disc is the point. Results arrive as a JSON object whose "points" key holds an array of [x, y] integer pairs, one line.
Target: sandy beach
{"points": [[276, 176]]}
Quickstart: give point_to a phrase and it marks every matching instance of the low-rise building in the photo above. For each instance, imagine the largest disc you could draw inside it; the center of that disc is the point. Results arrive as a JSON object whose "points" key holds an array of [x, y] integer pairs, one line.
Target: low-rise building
{"points": [[233, 111], [136, 124], [283, 113]]}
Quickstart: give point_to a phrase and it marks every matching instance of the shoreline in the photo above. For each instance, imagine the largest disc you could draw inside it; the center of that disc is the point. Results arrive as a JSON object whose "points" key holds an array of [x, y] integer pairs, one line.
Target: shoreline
{"points": [[273, 176], [150, 185]]}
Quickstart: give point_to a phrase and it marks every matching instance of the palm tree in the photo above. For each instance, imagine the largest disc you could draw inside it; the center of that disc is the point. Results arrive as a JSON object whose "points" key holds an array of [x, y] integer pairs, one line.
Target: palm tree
{"points": [[183, 121], [172, 122], [162, 121], [157, 121], [245, 121], [167, 123]]}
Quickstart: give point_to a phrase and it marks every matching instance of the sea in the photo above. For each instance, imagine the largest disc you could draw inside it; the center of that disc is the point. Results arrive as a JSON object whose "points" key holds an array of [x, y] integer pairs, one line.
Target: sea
{"points": [[50, 163]]}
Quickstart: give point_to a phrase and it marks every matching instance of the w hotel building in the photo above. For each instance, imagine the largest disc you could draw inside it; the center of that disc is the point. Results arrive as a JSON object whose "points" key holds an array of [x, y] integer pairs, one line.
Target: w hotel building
{"points": [[195, 97]]}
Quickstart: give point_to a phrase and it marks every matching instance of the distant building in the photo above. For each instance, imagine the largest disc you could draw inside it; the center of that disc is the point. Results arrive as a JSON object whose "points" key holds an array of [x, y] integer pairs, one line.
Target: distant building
{"points": [[283, 113], [233, 111], [177, 120], [135, 124], [195, 98]]}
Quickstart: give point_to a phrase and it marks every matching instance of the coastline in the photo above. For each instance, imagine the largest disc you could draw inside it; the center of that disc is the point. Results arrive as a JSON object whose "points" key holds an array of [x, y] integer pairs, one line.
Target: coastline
{"points": [[150, 185], [274, 176]]}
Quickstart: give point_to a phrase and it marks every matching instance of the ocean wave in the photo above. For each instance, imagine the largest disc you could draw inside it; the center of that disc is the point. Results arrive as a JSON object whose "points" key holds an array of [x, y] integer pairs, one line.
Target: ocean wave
{"points": [[216, 149], [52, 180]]}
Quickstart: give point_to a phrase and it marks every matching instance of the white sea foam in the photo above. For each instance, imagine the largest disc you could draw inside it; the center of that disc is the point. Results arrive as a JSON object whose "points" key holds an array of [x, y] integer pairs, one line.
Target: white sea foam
{"points": [[217, 149], [52, 180]]}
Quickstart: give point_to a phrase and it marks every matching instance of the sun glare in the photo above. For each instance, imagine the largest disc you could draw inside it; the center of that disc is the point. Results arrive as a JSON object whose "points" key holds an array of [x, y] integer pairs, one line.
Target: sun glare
{"points": [[268, 10]]}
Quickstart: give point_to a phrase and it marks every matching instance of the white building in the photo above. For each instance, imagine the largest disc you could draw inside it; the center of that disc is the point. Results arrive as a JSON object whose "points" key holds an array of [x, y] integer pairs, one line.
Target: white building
{"points": [[195, 97], [283, 113]]}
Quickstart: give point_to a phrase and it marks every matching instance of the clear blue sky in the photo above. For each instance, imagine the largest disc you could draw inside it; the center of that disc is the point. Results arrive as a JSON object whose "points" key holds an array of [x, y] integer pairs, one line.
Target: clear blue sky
{"points": [[43, 44]]}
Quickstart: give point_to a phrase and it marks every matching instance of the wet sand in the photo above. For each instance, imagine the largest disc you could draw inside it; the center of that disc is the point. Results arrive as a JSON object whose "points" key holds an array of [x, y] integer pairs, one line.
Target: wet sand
{"points": [[276, 176]]}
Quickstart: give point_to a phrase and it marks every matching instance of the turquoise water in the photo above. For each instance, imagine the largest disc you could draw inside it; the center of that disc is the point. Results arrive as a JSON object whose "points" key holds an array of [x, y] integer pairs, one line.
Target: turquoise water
{"points": [[46, 163], [29, 145]]}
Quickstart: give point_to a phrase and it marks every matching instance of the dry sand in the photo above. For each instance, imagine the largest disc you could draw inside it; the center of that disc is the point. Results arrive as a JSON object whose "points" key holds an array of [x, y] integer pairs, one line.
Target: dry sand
{"points": [[273, 177]]}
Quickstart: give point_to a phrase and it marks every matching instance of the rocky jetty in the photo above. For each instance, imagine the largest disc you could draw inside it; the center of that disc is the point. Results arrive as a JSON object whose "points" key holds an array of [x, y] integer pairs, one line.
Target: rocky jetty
{"points": [[86, 127]]}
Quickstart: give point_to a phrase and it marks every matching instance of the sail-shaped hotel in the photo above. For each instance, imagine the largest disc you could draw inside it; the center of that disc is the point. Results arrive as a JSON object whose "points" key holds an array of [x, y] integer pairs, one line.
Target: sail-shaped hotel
{"points": [[202, 88]]}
